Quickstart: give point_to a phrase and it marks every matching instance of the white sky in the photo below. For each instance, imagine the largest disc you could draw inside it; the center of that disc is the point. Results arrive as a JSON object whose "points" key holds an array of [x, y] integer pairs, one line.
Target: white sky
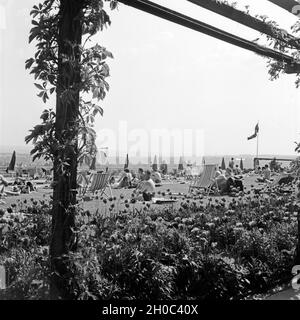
{"points": [[165, 76]]}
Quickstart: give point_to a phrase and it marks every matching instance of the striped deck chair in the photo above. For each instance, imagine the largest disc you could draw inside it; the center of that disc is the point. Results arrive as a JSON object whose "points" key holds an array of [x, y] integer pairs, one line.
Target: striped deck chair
{"points": [[99, 182], [206, 179]]}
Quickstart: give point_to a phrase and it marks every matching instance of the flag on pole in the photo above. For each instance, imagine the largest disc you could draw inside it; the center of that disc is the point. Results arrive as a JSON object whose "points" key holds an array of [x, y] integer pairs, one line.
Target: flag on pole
{"points": [[255, 132]]}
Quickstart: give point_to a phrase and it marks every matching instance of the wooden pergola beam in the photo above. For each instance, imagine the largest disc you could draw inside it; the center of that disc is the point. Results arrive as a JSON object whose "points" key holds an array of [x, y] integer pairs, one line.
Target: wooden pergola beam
{"points": [[247, 20], [291, 6], [188, 22]]}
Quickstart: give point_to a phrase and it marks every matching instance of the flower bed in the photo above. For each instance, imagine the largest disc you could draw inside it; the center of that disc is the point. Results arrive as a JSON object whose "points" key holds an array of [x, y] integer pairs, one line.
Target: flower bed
{"points": [[195, 251]]}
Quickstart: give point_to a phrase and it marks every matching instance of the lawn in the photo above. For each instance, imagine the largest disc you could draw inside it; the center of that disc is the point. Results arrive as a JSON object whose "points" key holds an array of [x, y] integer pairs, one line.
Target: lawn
{"points": [[94, 204]]}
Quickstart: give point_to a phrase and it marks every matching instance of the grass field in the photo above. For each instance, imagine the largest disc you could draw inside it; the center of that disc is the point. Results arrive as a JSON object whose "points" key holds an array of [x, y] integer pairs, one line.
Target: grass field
{"points": [[94, 204]]}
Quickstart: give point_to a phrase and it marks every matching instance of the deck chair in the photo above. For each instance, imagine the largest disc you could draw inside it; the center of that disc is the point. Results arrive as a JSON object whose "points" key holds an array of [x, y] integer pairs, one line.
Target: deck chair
{"points": [[206, 179], [10, 193], [272, 184], [32, 172], [275, 181], [99, 182]]}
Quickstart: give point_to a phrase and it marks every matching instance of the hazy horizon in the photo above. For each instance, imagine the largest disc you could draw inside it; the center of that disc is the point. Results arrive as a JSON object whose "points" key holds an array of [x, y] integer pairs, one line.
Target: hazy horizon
{"points": [[4, 149]]}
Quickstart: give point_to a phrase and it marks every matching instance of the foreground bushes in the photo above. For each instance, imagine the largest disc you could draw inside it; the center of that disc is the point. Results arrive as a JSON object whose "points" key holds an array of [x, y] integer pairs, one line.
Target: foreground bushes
{"points": [[196, 251]]}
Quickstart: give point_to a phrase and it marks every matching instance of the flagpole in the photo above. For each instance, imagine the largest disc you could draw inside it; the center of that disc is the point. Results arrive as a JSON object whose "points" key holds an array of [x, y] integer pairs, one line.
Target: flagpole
{"points": [[257, 142], [257, 146]]}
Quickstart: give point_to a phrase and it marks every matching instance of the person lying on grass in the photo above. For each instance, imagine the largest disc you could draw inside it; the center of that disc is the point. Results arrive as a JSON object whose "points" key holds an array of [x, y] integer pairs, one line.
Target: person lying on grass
{"points": [[20, 186], [146, 188]]}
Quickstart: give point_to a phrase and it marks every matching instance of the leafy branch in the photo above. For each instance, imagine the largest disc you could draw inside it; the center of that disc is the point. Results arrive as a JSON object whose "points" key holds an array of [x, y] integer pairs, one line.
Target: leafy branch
{"points": [[93, 73]]}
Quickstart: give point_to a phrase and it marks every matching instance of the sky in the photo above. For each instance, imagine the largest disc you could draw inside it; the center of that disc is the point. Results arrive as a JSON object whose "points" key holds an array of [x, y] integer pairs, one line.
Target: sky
{"points": [[164, 77]]}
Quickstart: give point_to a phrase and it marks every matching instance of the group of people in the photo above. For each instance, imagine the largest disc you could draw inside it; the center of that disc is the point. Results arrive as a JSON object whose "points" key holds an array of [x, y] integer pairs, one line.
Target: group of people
{"points": [[265, 173], [144, 182], [284, 177], [226, 181], [235, 168], [20, 185], [130, 179], [145, 188]]}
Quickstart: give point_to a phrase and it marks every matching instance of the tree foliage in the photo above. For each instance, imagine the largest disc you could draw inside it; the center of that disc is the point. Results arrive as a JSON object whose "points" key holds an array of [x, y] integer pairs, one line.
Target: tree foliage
{"points": [[280, 41], [94, 71]]}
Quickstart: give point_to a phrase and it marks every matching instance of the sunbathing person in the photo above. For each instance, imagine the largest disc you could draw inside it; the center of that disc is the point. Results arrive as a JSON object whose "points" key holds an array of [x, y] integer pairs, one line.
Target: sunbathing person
{"points": [[124, 181], [19, 181], [220, 181], [140, 174], [5, 192], [3, 181], [188, 172], [29, 187], [137, 178], [237, 170], [286, 180], [234, 183], [156, 177], [266, 175], [112, 180], [13, 191], [228, 182], [21, 187], [146, 188], [231, 163], [258, 170]]}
